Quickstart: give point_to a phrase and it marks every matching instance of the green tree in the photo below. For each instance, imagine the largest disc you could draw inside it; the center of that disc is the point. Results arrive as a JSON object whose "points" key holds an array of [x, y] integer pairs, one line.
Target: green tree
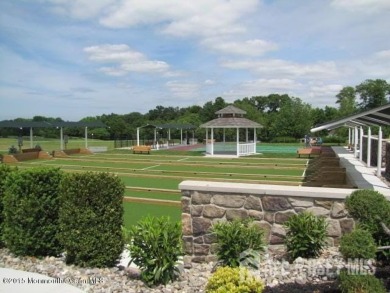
{"points": [[346, 99], [294, 119], [373, 93]]}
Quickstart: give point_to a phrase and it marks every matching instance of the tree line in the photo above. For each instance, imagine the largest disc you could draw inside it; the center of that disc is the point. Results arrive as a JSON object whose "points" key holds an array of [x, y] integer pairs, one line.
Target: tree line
{"points": [[284, 118]]}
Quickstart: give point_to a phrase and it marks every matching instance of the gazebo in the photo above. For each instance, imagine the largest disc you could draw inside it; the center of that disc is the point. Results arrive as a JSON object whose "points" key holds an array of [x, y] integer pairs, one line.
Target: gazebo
{"points": [[233, 118]]}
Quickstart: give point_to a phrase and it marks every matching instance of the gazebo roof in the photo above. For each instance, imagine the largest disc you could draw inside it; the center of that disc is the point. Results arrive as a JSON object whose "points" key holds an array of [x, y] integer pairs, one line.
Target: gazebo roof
{"points": [[231, 117], [231, 110], [231, 122]]}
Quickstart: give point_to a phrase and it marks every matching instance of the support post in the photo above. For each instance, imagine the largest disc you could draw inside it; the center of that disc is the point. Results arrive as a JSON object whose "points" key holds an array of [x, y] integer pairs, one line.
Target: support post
{"points": [[137, 136], [379, 161], [86, 136], [61, 139], [369, 147], [212, 141], [238, 142], [361, 144], [355, 143], [349, 137]]}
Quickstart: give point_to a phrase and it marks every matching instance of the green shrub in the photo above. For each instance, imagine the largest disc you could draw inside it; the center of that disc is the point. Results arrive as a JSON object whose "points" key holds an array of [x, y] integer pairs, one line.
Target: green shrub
{"points": [[284, 139], [235, 238], [31, 212], [12, 150], [233, 280], [4, 171], [306, 235], [360, 283], [359, 244], [369, 208], [155, 247], [91, 218]]}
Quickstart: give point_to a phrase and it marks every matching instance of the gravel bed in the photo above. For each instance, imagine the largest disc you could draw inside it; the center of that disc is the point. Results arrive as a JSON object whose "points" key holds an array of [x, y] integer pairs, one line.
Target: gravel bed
{"points": [[302, 275]]}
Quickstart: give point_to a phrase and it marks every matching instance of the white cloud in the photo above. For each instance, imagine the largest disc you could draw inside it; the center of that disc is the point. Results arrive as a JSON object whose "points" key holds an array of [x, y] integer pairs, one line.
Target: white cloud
{"points": [[209, 82], [125, 59], [364, 6], [254, 47], [285, 69], [183, 89], [182, 18]]}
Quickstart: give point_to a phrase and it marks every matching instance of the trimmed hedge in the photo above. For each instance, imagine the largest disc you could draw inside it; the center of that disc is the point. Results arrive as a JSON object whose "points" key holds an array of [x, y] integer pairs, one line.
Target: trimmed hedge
{"points": [[359, 244], [91, 218], [4, 171], [31, 208], [360, 283], [369, 207]]}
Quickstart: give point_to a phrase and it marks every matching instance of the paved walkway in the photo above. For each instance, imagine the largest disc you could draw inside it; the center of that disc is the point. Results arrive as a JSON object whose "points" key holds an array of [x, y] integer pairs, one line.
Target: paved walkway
{"points": [[363, 177]]}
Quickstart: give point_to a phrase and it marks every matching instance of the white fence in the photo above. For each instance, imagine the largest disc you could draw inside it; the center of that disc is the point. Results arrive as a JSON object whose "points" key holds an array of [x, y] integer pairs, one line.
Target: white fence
{"points": [[246, 149]]}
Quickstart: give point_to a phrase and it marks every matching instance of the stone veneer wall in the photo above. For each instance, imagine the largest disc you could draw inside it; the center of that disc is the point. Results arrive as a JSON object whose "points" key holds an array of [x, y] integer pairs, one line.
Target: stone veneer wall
{"points": [[204, 203]]}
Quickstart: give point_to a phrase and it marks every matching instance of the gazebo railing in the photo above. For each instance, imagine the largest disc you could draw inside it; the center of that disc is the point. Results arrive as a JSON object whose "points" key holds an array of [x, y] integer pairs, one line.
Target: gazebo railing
{"points": [[247, 148]]}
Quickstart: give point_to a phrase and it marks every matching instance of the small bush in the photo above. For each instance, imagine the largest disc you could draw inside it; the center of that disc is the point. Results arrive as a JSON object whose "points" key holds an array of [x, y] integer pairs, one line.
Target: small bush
{"points": [[360, 283], [369, 208], [306, 235], [155, 247], [233, 280], [31, 212], [12, 150], [4, 171], [235, 238], [284, 139], [359, 244], [91, 219]]}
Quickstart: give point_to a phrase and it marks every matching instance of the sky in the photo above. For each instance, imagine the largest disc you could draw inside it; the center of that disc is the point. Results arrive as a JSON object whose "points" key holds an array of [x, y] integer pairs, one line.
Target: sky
{"points": [[78, 58]]}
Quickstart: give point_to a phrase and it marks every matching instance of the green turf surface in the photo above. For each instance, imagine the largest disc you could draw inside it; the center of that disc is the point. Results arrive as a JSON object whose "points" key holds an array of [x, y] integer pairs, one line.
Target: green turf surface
{"points": [[133, 212], [153, 195]]}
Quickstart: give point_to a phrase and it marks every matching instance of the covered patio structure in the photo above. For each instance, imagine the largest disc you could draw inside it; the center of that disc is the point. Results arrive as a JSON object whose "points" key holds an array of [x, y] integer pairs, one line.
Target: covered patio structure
{"points": [[159, 142], [360, 138], [55, 124], [231, 117]]}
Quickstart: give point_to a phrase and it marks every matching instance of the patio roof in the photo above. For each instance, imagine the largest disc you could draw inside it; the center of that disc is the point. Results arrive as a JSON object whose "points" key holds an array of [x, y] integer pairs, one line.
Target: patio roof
{"points": [[44, 124], [379, 116], [169, 126]]}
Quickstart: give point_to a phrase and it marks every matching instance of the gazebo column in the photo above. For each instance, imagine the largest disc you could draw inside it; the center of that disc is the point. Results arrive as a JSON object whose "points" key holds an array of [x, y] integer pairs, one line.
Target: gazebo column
{"points": [[212, 142], [238, 142], [137, 136], [361, 144], [224, 136], [379, 163], [246, 135], [181, 135], [369, 147], [254, 140]]}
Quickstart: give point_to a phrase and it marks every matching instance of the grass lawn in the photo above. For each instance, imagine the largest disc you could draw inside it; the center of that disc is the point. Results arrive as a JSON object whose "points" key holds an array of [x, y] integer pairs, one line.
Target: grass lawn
{"points": [[133, 212], [157, 176]]}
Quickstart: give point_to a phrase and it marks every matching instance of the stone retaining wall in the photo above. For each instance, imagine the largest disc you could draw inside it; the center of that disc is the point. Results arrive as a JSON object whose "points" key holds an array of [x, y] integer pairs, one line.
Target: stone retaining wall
{"points": [[204, 203]]}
